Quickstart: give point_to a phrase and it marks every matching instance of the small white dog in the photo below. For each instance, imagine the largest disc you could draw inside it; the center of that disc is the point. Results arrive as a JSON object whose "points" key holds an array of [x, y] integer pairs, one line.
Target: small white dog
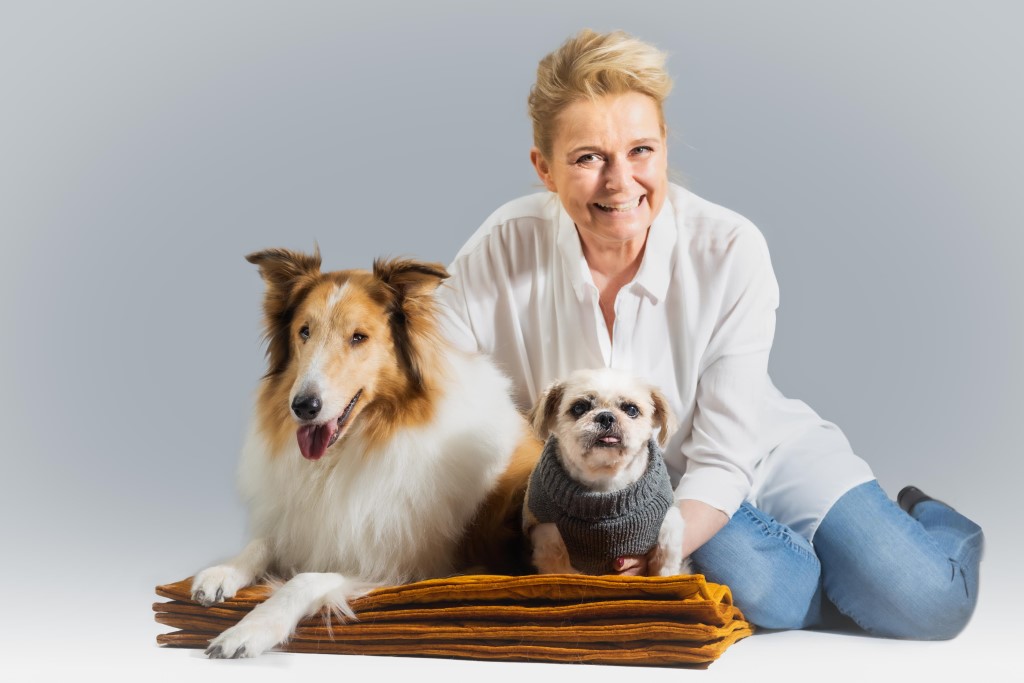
{"points": [[601, 490]]}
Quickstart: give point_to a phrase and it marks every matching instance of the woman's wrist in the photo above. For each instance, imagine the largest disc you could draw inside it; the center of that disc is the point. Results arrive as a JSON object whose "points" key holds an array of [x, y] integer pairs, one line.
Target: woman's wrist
{"points": [[702, 522]]}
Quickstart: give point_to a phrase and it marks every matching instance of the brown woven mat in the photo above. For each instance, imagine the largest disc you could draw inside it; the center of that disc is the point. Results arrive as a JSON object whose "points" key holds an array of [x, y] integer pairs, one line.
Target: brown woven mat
{"points": [[655, 621]]}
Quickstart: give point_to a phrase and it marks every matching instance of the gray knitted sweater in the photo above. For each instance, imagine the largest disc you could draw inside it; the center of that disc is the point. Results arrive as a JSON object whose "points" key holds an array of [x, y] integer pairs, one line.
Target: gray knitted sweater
{"points": [[599, 527]]}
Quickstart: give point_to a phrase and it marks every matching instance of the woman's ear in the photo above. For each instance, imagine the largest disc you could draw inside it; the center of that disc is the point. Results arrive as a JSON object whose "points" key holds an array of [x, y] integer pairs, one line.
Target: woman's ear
{"points": [[540, 164]]}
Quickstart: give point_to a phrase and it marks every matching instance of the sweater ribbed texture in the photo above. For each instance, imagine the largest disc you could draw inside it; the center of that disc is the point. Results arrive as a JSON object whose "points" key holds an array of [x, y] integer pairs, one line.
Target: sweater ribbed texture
{"points": [[599, 527]]}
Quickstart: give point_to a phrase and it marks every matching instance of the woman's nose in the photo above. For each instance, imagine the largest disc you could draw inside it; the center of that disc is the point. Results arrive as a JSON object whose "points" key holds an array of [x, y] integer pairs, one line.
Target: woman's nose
{"points": [[618, 175]]}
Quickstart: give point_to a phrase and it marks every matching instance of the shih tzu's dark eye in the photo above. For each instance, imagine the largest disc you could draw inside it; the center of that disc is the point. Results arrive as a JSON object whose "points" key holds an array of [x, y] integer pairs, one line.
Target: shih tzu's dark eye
{"points": [[579, 408], [630, 410], [304, 332]]}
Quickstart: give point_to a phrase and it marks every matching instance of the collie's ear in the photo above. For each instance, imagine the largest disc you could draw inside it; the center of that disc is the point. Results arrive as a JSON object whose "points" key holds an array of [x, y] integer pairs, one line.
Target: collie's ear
{"points": [[409, 278], [542, 416], [287, 273], [663, 417], [282, 267], [409, 299]]}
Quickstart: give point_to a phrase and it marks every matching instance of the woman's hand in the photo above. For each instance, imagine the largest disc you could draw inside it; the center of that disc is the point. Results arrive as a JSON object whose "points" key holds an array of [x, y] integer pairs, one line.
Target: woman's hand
{"points": [[631, 565]]}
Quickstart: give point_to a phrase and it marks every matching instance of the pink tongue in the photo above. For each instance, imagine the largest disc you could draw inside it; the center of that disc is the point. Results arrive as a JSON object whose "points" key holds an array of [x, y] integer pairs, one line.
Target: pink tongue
{"points": [[313, 439]]}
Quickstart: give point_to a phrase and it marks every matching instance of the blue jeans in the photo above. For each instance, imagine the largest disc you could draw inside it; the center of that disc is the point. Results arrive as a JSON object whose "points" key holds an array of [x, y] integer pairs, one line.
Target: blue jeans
{"points": [[894, 574]]}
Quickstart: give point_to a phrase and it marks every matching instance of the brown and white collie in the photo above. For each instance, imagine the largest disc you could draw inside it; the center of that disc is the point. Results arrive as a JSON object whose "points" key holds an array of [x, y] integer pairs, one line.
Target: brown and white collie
{"points": [[377, 454]]}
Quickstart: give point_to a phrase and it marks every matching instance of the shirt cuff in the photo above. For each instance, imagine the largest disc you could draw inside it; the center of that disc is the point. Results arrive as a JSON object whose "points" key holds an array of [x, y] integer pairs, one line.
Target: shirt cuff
{"points": [[717, 487]]}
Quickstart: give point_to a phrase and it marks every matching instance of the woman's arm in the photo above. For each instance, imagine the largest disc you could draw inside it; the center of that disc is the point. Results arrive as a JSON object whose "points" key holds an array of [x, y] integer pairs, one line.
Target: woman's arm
{"points": [[702, 522]]}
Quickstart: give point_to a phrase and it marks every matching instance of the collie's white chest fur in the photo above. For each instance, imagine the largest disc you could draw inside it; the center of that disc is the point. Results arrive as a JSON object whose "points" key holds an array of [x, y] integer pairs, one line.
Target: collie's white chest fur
{"points": [[395, 513]]}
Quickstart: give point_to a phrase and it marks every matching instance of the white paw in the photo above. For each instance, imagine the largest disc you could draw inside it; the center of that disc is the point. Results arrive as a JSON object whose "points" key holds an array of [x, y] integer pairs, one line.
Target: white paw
{"points": [[251, 637], [667, 557], [217, 584]]}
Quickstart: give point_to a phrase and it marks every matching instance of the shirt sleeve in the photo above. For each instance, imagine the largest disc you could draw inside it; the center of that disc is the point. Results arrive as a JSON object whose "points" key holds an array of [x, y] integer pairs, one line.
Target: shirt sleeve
{"points": [[453, 313], [722, 448]]}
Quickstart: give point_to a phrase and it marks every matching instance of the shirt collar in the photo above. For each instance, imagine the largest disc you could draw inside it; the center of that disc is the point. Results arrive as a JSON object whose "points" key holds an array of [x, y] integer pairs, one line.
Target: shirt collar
{"points": [[655, 268]]}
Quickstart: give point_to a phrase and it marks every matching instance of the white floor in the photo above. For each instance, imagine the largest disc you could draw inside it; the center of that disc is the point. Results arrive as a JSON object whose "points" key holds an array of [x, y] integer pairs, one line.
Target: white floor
{"points": [[113, 639]]}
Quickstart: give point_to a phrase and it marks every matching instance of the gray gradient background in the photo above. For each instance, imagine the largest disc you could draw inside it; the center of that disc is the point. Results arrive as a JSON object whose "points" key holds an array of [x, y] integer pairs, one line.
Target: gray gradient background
{"points": [[146, 147]]}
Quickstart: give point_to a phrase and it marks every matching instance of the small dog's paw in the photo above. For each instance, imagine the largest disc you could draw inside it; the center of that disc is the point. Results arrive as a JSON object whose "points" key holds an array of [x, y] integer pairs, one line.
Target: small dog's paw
{"points": [[667, 556], [247, 638], [664, 562], [217, 584], [550, 556]]}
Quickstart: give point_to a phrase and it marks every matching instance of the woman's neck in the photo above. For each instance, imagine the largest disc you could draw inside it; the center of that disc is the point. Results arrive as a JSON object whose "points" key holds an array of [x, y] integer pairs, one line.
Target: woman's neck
{"points": [[612, 265]]}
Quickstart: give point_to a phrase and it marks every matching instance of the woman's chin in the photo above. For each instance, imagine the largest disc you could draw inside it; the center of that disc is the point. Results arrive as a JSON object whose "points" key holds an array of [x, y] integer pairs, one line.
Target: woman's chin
{"points": [[614, 232]]}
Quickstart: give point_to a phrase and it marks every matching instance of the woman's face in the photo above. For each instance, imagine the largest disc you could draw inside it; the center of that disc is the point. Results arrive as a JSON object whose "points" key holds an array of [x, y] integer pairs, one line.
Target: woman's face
{"points": [[609, 166]]}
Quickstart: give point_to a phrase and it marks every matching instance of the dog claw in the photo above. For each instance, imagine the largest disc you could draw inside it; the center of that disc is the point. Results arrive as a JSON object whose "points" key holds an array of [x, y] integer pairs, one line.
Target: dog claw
{"points": [[200, 597], [220, 595], [239, 653], [215, 652]]}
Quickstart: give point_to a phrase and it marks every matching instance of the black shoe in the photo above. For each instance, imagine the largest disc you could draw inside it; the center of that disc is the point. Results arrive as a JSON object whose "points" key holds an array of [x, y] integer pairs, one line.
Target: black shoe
{"points": [[911, 496]]}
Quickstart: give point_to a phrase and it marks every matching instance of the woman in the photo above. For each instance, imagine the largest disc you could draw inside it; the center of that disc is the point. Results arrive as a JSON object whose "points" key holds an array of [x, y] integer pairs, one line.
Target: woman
{"points": [[615, 266]]}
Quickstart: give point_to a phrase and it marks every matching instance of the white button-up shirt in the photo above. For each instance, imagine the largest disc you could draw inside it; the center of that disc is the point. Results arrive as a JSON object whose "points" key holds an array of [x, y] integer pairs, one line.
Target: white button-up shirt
{"points": [[697, 321]]}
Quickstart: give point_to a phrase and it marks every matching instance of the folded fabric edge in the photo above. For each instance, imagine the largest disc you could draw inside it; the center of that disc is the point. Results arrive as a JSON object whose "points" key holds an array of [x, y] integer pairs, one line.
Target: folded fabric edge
{"points": [[646, 654]]}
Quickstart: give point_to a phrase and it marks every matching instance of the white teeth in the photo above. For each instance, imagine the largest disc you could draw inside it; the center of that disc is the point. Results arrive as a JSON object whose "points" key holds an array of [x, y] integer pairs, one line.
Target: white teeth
{"points": [[621, 207]]}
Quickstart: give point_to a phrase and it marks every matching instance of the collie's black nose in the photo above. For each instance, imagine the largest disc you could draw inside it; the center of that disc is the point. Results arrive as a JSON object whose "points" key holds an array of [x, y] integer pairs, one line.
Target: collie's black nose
{"points": [[306, 407], [605, 419]]}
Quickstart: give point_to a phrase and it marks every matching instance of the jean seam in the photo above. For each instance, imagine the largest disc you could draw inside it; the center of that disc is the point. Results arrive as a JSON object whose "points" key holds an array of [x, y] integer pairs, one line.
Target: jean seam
{"points": [[768, 531]]}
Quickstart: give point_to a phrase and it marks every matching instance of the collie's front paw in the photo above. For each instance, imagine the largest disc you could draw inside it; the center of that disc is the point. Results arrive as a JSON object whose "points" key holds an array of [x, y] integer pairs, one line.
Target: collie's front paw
{"points": [[248, 638], [217, 584]]}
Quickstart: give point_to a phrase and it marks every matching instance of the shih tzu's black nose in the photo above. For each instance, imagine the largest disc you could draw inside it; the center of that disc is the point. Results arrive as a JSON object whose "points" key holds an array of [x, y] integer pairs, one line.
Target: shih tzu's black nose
{"points": [[306, 407], [605, 419]]}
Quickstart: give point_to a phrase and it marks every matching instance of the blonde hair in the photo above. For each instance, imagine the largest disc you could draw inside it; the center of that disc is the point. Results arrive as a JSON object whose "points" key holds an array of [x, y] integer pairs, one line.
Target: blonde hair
{"points": [[591, 65]]}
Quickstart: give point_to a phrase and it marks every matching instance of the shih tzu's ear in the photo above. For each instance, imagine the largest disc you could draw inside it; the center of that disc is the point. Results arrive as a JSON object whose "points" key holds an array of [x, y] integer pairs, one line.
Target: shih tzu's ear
{"points": [[543, 415], [663, 417]]}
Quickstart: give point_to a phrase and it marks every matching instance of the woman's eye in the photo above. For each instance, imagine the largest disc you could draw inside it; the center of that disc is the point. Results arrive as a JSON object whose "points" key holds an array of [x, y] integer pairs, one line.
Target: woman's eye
{"points": [[358, 338], [587, 159], [631, 410], [304, 332], [643, 149], [579, 408]]}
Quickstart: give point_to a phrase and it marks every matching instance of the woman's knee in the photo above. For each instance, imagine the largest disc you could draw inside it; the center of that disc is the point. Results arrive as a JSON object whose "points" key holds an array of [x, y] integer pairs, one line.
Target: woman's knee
{"points": [[773, 575], [880, 568], [917, 606]]}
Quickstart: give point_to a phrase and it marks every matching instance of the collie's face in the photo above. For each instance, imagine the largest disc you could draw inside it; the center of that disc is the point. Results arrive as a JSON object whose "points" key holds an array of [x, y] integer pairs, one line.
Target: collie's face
{"points": [[341, 350], [349, 351]]}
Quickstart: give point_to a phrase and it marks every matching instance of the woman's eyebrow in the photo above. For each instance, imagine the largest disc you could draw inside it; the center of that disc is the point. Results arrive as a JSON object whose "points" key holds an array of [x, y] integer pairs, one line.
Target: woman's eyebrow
{"points": [[581, 148], [593, 147]]}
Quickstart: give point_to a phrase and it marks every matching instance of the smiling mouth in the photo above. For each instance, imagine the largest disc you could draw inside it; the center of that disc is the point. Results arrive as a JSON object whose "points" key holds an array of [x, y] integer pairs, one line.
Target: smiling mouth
{"points": [[620, 208], [315, 439]]}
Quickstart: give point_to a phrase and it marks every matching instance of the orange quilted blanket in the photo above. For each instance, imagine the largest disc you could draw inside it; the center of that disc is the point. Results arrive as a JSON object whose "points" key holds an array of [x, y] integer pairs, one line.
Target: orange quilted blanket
{"points": [[639, 621]]}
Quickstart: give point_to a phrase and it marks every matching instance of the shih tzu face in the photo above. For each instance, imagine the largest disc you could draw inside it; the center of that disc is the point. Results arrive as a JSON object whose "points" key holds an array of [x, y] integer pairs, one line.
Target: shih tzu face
{"points": [[603, 420]]}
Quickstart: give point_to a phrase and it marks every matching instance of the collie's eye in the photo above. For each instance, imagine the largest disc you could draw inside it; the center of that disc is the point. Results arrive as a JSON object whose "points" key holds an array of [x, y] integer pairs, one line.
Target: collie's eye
{"points": [[358, 338], [631, 410], [579, 408], [304, 332]]}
